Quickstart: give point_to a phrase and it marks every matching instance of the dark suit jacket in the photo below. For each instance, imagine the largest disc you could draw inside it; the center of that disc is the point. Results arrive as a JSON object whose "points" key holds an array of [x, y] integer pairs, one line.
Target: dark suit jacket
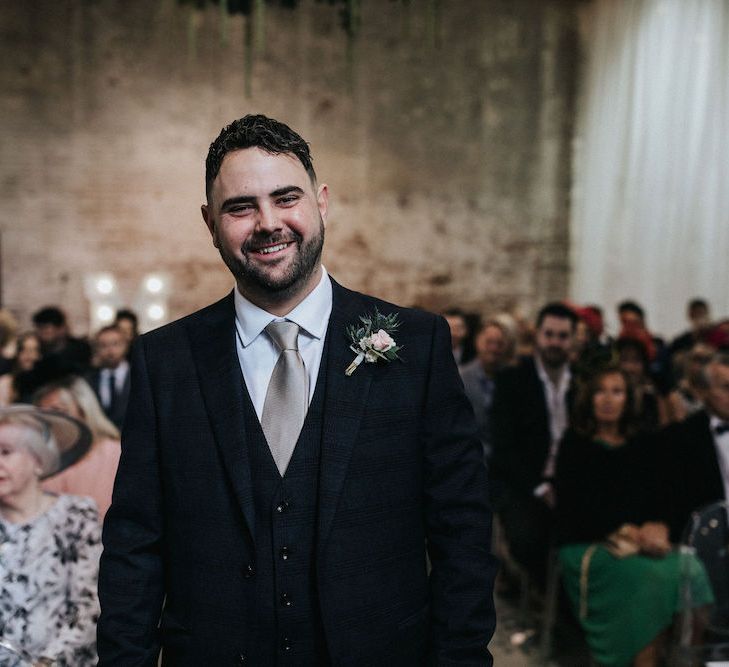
{"points": [[399, 463], [521, 433], [119, 408], [689, 469]]}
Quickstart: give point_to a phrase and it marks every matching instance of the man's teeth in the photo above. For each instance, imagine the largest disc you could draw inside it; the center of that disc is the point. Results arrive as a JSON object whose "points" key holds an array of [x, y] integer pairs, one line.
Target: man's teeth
{"points": [[273, 248]]}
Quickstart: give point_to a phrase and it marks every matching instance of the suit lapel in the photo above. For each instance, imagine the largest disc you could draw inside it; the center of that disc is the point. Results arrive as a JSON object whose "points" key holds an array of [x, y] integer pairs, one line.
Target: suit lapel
{"points": [[221, 382], [345, 400]]}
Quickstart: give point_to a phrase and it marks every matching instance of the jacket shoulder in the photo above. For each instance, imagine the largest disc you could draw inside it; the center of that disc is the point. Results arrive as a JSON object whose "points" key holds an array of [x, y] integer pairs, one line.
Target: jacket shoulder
{"points": [[173, 330]]}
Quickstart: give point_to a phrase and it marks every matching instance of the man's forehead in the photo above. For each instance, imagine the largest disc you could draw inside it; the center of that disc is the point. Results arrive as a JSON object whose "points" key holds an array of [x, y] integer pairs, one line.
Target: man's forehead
{"points": [[553, 322], [255, 165]]}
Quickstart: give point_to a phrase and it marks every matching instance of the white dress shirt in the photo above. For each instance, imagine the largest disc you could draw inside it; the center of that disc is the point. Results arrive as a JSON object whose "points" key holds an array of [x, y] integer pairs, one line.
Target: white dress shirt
{"points": [[721, 442], [556, 396], [120, 376], [258, 355]]}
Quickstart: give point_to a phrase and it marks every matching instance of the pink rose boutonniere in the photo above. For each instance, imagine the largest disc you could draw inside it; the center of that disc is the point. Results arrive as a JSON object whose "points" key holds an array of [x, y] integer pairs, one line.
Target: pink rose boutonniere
{"points": [[371, 340]]}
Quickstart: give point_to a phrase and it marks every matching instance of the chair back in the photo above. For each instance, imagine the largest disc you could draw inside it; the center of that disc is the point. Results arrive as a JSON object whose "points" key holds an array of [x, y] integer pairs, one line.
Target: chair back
{"points": [[705, 538]]}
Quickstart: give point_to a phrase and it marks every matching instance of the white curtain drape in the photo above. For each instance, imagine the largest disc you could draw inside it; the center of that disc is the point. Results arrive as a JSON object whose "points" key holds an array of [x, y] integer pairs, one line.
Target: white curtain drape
{"points": [[650, 203]]}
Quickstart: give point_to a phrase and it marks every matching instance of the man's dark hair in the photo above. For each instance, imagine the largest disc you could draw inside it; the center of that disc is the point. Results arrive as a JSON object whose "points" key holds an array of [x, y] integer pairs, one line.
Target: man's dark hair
{"points": [[556, 309], [126, 314], [49, 315], [698, 303], [256, 132], [631, 307]]}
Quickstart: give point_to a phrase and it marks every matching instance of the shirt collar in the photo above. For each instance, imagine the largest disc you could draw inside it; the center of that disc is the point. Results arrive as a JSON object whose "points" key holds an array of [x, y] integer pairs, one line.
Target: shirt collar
{"points": [[564, 378], [715, 421], [312, 314]]}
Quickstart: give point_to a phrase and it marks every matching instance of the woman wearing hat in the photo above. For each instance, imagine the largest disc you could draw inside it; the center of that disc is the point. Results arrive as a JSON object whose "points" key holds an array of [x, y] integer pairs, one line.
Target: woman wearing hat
{"points": [[49, 545]]}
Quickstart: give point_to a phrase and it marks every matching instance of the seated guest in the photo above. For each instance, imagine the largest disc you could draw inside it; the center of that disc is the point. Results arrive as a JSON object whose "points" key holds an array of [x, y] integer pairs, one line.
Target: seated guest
{"points": [[618, 570], [461, 341], [494, 347], [697, 313], [93, 475], [57, 344], [26, 356], [529, 416], [8, 331], [111, 380], [696, 470], [687, 397], [650, 408], [127, 322], [51, 545]]}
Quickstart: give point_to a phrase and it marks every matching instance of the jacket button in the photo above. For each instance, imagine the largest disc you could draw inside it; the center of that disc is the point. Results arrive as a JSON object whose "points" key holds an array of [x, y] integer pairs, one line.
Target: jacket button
{"points": [[282, 506], [286, 601], [285, 553], [242, 659], [249, 571], [286, 644]]}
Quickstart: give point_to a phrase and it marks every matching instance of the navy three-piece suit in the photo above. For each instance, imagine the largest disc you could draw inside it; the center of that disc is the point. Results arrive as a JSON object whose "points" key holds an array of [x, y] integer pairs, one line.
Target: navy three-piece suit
{"points": [[210, 555]]}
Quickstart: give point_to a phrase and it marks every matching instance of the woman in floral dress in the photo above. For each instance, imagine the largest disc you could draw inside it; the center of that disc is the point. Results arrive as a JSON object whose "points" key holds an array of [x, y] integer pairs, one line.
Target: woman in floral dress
{"points": [[49, 545]]}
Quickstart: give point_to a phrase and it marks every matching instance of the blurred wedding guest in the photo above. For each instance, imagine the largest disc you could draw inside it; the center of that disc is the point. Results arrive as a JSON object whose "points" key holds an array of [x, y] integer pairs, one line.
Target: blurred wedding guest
{"points": [[110, 381], [49, 560], [494, 348], [687, 397], [633, 325], [618, 570], [698, 315], [8, 331], [461, 340], [57, 344], [651, 408], [696, 465], [93, 475], [529, 416], [128, 323], [26, 355]]}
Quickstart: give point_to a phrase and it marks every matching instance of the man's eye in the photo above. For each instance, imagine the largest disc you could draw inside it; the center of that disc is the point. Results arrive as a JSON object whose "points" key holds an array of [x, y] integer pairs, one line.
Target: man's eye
{"points": [[288, 199]]}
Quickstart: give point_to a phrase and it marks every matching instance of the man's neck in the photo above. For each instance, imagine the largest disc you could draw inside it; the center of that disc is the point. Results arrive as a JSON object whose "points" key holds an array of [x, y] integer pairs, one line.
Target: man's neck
{"points": [[276, 305], [554, 373]]}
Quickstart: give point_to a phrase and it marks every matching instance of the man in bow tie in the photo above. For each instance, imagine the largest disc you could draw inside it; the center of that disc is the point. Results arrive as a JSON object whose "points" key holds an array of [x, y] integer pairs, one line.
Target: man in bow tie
{"points": [[695, 453], [270, 509]]}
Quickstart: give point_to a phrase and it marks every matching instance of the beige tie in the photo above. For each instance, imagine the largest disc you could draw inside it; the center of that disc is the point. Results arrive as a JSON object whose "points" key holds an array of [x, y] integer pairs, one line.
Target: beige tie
{"points": [[287, 397]]}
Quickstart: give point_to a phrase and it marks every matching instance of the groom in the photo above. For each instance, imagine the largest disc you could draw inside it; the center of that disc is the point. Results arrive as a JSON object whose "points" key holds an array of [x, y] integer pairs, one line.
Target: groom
{"points": [[271, 508]]}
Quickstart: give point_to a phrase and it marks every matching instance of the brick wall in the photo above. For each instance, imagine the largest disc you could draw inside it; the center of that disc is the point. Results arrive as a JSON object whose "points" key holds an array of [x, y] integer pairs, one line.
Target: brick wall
{"points": [[446, 145]]}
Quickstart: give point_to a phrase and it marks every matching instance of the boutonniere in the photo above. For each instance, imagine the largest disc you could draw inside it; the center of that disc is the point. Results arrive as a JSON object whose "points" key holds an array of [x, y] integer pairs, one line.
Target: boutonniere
{"points": [[372, 339]]}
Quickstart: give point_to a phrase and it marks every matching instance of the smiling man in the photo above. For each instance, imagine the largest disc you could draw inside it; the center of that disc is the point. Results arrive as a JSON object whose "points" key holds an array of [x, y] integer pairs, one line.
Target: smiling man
{"points": [[274, 499]]}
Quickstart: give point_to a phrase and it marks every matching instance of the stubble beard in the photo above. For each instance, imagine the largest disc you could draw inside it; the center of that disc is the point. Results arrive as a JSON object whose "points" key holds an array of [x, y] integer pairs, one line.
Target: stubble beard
{"points": [[256, 281]]}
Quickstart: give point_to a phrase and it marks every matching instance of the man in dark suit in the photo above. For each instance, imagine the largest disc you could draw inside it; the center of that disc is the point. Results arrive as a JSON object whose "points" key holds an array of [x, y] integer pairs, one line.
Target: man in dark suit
{"points": [[693, 455], [275, 537], [530, 413], [111, 380]]}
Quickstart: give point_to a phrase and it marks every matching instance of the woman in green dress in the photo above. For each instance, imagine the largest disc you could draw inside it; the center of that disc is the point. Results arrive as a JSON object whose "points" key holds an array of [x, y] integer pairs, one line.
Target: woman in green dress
{"points": [[619, 569]]}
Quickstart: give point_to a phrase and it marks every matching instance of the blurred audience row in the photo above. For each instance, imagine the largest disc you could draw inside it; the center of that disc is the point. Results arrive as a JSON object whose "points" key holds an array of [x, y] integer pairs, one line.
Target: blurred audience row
{"points": [[601, 449]]}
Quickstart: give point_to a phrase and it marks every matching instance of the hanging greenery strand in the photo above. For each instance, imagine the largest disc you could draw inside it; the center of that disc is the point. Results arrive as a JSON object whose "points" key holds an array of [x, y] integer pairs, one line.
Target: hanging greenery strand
{"points": [[224, 22]]}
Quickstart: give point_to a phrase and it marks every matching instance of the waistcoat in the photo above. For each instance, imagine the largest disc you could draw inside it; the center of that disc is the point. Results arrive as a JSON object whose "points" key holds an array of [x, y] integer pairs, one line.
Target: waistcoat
{"points": [[289, 628]]}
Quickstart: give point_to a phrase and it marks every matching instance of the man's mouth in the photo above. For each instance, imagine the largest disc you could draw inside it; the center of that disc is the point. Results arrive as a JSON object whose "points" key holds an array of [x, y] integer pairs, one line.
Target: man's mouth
{"points": [[271, 249]]}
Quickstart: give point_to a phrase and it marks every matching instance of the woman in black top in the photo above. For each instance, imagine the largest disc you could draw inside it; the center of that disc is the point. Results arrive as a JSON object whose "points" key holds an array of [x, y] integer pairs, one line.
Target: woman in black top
{"points": [[618, 569]]}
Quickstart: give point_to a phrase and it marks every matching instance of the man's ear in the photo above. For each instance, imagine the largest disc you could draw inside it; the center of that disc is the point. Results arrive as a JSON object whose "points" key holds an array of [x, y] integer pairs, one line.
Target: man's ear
{"points": [[209, 222], [322, 201]]}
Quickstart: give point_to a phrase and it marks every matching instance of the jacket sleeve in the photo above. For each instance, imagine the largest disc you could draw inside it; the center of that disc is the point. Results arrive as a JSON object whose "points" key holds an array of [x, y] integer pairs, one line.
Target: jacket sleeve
{"points": [[458, 518], [131, 587]]}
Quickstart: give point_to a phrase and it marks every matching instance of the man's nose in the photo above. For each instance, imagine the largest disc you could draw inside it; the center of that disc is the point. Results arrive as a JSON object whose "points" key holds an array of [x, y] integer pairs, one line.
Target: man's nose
{"points": [[267, 219]]}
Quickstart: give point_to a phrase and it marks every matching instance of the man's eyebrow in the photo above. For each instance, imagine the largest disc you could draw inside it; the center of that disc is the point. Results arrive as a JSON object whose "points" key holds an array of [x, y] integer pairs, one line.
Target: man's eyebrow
{"points": [[288, 189], [243, 199]]}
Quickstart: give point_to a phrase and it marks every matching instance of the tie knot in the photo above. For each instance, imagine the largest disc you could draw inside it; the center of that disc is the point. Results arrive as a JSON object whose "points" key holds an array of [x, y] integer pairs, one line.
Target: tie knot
{"points": [[284, 335]]}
